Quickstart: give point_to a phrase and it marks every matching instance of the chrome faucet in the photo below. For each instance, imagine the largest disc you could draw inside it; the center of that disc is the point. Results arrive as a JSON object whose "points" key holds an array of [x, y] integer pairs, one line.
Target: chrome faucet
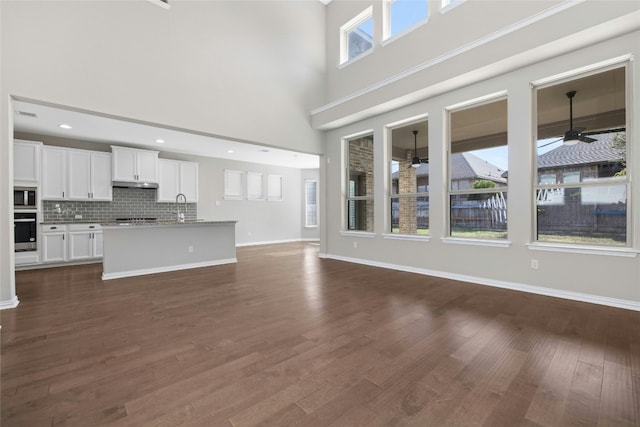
{"points": [[180, 216]]}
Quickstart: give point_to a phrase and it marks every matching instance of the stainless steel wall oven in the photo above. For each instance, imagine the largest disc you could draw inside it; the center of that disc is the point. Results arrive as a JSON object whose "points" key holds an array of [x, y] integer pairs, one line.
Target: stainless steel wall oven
{"points": [[25, 230]]}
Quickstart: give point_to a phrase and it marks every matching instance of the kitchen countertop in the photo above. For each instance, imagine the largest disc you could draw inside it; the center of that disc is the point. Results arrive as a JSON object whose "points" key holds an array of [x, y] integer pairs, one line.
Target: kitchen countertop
{"points": [[164, 223], [112, 222]]}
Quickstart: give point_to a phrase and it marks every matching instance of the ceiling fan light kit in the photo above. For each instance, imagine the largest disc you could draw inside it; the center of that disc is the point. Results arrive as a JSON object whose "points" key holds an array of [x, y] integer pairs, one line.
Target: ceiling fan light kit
{"points": [[416, 161]]}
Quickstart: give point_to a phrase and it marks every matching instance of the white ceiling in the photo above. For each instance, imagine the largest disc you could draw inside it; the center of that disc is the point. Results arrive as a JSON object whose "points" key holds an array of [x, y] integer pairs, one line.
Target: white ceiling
{"points": [[94, 128]]}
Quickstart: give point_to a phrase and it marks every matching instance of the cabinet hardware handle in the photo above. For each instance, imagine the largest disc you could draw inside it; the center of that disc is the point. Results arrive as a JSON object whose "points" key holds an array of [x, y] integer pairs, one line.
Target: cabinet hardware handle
{"points": [[92, 226], [54, 228], [63, 194]]}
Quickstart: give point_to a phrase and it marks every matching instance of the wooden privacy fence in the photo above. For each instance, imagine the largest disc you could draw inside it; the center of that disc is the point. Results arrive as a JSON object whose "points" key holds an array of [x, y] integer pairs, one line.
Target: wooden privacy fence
{"points": [[488, 213]]}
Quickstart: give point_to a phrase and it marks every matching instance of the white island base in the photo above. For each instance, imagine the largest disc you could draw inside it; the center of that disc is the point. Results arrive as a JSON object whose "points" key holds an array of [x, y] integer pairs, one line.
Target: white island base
{"points": [[138, 249]]}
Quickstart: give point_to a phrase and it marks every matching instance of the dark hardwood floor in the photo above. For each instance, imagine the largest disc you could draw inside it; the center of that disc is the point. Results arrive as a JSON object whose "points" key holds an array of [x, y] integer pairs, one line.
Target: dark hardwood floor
{"points": [[285, 338]]}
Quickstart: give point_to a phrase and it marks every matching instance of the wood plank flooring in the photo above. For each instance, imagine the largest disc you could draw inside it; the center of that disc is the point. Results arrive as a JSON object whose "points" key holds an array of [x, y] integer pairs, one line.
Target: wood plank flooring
{"points": [[285, 338]]}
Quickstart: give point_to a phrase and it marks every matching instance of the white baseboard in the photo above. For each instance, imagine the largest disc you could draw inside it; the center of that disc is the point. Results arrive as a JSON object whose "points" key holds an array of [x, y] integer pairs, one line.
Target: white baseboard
{"points": [[144, 271], [557, 293], [12, 303], [272, 242]]}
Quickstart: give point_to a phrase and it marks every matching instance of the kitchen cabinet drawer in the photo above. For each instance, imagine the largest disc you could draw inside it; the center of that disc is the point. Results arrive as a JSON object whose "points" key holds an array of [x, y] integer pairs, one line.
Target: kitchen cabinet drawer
{"points": [[48, 228]]}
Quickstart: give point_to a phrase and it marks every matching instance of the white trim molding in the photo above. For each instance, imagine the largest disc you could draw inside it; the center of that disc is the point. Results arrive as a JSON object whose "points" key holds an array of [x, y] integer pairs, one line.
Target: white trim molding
{"points": [[12, 303], [539, 290], [144, 271]]}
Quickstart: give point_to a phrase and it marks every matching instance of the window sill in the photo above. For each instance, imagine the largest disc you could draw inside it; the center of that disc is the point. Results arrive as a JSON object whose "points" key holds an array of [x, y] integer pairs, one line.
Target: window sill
{"points": [[351, 233], [451, 6], [404, 32], [477, 242], [406, 237], [356, 59], [595, 250]]}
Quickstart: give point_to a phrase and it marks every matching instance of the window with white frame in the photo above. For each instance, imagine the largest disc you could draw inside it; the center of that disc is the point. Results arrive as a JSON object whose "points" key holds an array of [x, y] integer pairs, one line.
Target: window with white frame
{"points": [[274, 187], [583, 184], [449, 4], [359, 184], [356, 36], [478, 162], [311, 203], [409, 176], [233, 185], [401, 15], [254, 186]]}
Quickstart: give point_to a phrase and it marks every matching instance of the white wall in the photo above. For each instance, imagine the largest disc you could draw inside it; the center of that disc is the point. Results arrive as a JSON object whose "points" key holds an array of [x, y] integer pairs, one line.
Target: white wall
{"points": [[471, 42], [247, 70], [603, 278], [259, 221]]}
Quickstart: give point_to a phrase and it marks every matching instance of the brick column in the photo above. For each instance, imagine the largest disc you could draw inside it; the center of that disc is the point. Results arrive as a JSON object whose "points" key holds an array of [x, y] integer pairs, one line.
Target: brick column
{"points": [[407, 183]]}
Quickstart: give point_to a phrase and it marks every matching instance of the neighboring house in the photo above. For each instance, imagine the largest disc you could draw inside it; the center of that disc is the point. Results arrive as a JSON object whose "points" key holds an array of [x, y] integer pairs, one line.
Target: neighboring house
{"points": [[466, 169], [582, 161], [600, 210]]}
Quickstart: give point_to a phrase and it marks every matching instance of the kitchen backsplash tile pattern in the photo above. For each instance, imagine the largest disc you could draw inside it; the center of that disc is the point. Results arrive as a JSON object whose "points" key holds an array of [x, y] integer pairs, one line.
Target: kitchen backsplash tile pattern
{"points": [[127, 203]]}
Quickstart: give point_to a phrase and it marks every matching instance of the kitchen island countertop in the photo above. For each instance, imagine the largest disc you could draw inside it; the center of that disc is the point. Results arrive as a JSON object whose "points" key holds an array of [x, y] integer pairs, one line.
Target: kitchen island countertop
{"points": [[164, 223]]}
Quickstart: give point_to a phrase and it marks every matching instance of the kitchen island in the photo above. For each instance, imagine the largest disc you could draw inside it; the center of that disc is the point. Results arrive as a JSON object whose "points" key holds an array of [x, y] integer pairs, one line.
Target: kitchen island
{"points": [[138, 248]]}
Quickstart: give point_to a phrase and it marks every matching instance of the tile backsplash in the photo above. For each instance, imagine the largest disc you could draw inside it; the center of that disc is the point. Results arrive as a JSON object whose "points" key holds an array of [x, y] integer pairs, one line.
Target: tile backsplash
{"points": [[126, 203]]}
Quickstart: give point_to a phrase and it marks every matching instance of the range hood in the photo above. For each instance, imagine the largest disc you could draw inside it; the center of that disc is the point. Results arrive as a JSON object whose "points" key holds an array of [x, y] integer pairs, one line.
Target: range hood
{"points": [[130, 184]]}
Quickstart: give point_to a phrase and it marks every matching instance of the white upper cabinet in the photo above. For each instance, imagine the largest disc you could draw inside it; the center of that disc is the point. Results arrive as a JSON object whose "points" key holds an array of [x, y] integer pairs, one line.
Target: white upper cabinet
{"points": [[133, 165], [101, 188], [79, 175], [177, 177], [54, 173], [26, 163], [168, 186], [89, 175], [70, 174], [189, 181]]}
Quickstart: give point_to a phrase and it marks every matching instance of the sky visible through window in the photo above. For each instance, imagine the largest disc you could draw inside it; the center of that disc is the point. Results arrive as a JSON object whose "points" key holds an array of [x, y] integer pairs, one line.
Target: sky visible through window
{"points": [[405, 13]]}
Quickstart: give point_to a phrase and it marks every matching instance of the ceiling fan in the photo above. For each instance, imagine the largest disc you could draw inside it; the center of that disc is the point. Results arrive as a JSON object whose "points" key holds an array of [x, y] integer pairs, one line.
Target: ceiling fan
{"points": [[574, 135], [417, 161]]}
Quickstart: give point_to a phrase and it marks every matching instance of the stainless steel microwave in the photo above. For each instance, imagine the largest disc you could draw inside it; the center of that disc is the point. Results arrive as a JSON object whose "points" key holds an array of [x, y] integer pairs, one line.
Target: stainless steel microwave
{"points": [[24, 197]]}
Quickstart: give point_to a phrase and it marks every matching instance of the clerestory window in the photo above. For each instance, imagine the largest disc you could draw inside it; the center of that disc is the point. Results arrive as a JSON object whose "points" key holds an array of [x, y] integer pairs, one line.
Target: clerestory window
{"points": [[402, 15], [356, 36]]}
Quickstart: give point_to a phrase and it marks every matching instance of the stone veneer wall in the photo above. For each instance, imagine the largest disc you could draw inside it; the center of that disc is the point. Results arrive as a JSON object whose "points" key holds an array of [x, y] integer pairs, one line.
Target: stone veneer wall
{"points": [[126, 203]]}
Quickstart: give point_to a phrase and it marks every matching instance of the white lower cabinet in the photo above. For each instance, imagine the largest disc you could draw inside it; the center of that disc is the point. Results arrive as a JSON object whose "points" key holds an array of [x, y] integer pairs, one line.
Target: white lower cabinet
{"points": [[83, 243], [72, 242], [54, 243]]}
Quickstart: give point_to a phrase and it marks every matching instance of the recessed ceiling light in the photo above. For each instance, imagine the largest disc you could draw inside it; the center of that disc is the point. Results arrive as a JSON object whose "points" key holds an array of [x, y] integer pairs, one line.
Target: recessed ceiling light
{"points": [[160, 141], [229, 151], [64, 126]]}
